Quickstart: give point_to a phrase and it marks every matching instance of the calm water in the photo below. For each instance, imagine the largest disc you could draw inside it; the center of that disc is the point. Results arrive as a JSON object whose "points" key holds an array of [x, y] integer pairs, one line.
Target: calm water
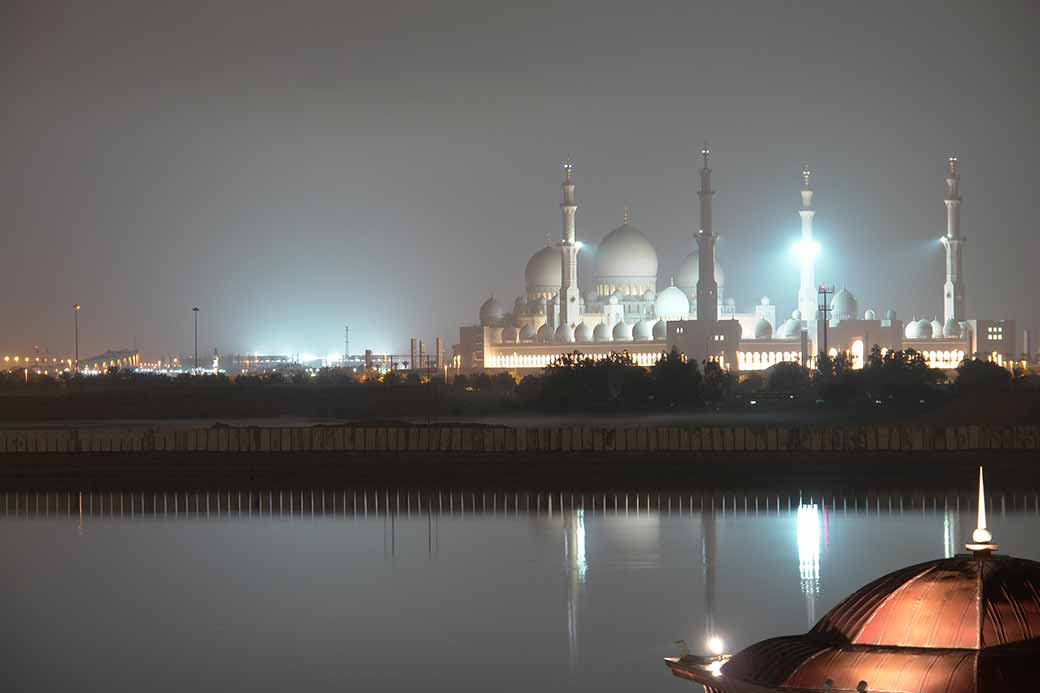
{"points": [[449, 590]]}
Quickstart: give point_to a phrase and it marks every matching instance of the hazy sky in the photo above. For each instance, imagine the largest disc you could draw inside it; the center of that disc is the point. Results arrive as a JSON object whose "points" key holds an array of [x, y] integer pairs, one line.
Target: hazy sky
{"points": [[291, 168]]}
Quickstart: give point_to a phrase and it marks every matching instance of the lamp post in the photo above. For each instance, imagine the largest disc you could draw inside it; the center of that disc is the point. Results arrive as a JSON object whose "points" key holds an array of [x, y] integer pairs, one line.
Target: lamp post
{"points": [[75, 318], [196, 311]]}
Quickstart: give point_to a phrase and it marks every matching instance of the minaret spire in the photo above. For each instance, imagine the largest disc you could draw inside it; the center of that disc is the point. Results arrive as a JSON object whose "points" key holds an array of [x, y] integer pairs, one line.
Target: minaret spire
{"points": [[569, 247], [707, 287], [982, 539], [953, 289], [807, 250]]}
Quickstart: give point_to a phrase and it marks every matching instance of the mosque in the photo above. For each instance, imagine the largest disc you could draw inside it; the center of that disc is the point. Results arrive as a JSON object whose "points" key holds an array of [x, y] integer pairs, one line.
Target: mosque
{"points": [[627, 309]]}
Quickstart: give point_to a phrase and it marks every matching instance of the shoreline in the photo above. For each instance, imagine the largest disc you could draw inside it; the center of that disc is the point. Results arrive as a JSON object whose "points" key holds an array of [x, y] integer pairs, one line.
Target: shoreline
{"points": [[660, 470]]}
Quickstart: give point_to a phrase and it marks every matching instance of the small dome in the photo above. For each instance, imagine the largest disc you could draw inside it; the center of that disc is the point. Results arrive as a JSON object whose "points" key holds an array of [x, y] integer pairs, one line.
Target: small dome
{"points": [[564, 334], [791, 328], [918, 329], [648, 295], [601, 333], [644, 330], [544, 272], [926, 328], [890, 314], [626, 256], [796, 314], [527, 333], [844, 306], [764, 301], [672, 304], [622, 332], [545, 333], [509, 335], [582, 333], [556, 299], [763, 330], [660, 329], [492, 313], [952, 329], [870, 314], [615, 298], [690, 271], [937, 327]]}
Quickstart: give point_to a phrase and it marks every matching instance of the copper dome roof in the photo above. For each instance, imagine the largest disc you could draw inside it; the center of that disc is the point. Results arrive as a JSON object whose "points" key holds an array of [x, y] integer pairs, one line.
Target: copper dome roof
{"points": [[961, 602], [969, 624]]}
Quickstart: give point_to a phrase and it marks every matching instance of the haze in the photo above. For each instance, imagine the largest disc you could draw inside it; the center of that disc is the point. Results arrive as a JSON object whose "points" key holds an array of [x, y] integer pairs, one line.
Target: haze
{"points": [[292, 168]]}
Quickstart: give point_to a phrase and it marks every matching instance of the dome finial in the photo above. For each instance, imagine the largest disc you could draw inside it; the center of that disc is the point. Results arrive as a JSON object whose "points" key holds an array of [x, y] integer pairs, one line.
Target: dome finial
{"points": [[806, 177], [982, 539], [627, 215], [705, 153]]}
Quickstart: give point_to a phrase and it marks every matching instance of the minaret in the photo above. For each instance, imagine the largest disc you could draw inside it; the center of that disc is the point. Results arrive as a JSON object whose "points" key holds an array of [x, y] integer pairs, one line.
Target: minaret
{"points": [[807, 251], [707, 287], [953, 290], [569, 248]]}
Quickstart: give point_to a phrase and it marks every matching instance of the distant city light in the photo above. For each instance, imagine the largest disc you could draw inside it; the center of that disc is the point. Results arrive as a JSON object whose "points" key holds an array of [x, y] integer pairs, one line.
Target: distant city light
{"points": [[806, 250]]}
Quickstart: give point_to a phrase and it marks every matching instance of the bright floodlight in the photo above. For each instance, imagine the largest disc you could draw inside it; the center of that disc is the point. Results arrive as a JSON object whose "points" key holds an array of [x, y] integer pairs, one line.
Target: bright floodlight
{"points": [[716, 646], [806, 250]]}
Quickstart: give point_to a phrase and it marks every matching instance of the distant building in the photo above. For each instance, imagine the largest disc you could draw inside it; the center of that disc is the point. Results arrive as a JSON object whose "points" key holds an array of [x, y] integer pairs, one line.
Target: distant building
{"points": [[624, 311]]}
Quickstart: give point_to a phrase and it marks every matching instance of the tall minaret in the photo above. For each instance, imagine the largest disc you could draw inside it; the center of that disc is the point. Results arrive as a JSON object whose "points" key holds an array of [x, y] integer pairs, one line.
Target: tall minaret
{"points": [[807, 251], [707, 287], [953, 290], [569, 247]]}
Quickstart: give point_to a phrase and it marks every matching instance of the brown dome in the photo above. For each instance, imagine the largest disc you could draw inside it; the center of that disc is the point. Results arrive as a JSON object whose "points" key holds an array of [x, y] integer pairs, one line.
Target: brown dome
{"points": [[969, 624], [961, 602]]}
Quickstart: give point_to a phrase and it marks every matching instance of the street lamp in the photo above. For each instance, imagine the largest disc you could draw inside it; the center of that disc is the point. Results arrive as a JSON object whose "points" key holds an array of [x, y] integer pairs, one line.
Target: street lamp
{"points": [[75, 317], [196, 311]]}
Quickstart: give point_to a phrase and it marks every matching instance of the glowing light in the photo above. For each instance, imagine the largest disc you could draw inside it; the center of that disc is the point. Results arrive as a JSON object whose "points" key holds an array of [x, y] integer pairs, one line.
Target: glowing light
{"points": [[808, 539], [806, 249], [716, 646]]}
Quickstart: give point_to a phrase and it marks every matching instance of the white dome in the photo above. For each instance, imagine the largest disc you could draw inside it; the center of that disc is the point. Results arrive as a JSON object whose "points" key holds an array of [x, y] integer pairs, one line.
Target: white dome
{"points": [[926, 328], [952, 329], [644, 330], [690, 271], [625, 256], [648, 295], [601, 333], [582, 333], [844, 306], [763, 330], [764, 301], [796, 314], [937, 327], [545, 333], [918, 329], [871, 314], [890, 314], [791, 328], [615, 298], [544, 272], [509, 334], [672, 304], [622, 331], [492, 313], [527, 333], [660, 329], [564, 334]]}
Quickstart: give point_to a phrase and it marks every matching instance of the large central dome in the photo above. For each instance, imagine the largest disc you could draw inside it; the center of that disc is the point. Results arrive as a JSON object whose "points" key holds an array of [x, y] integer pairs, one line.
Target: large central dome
{"points": [[626, 261], [690, 271]]}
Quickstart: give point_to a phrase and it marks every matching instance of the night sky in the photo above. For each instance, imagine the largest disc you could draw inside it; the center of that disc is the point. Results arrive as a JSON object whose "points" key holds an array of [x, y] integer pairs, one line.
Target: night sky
{"points": [[291, 168]]}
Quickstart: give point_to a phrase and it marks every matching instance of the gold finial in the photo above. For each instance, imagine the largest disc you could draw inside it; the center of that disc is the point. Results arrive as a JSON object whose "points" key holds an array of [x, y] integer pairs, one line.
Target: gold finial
{"points": [[806, 176], [627, 216], [982, 540], [568, 169], [952, 164], [705, 152]]}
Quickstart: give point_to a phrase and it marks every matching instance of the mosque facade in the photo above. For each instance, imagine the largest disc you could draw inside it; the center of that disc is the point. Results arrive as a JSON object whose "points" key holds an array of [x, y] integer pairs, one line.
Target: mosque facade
{"points": [[627, 310]]}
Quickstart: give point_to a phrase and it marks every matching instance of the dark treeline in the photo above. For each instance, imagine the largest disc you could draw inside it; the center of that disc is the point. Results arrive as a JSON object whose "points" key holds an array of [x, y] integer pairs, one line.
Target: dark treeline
{"points": [[572, 383]]}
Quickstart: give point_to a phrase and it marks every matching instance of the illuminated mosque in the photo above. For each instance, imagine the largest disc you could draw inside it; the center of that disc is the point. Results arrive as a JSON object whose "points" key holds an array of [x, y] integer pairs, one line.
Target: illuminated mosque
{"points": [[627, 310]]}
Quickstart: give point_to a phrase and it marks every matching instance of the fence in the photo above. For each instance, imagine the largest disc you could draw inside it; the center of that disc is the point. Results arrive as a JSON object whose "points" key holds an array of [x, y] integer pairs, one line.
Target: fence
{"points": [[463, 439]]}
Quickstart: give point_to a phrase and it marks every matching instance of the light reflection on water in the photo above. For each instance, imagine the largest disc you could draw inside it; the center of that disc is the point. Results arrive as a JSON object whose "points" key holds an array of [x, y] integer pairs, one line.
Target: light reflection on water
{"points": [[394, 589]]}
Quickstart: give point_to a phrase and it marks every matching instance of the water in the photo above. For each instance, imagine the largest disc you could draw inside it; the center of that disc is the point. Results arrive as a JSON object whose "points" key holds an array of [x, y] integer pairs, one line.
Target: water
{"points": [[449, 590]]}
